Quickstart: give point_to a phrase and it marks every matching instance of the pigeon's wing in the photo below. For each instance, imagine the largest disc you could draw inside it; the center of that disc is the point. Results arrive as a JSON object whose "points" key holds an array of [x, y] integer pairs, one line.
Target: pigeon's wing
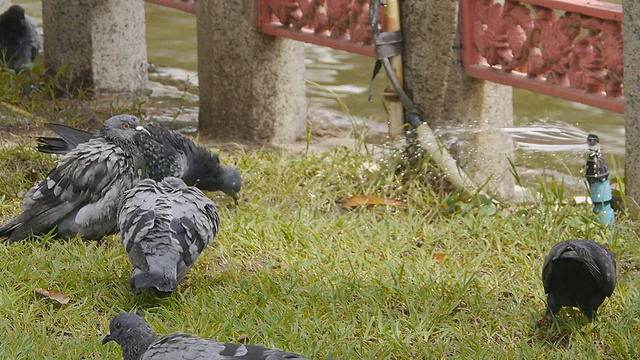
{"points": [[194, 223], [137, 215], [82, 176], [601, 263], [68, 140], [179, 346], [163, 158], [554, 254]]}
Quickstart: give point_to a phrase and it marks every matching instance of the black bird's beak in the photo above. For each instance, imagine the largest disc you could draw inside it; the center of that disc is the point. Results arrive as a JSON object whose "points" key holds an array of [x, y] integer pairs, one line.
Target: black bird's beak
{"points": [[233, 195], [107, 339]]}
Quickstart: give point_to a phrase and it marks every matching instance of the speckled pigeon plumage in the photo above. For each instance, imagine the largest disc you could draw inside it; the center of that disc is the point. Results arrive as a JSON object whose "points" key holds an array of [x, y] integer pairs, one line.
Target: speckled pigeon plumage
{"points": [[168, 153], [165, 226], [139, 342], [20, 42], [82, 193], [578, 273]]}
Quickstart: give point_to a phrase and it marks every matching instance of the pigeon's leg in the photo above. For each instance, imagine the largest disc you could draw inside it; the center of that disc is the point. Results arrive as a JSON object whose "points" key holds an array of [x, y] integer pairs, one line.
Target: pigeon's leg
{"points": [[552, 307], [588, 312]]}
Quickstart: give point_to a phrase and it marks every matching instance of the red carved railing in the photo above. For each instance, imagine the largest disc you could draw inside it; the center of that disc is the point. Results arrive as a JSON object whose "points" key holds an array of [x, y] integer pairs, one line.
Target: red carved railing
{"points": [[527, 44], [339, 24], [576, 55], [184, 5]]}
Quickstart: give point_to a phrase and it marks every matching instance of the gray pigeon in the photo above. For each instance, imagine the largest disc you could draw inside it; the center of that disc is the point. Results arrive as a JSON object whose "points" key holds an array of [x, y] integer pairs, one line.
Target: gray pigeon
{"points": [[20, 42], [578, 273], [168, 153], [81, 194], [139, 342], [165, 226]]}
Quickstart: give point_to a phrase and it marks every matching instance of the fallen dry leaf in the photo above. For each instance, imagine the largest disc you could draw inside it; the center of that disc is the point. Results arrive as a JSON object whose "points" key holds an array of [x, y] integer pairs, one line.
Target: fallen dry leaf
{"points": [[438, 257], [369, 200], [56, 295], [243, 338]]}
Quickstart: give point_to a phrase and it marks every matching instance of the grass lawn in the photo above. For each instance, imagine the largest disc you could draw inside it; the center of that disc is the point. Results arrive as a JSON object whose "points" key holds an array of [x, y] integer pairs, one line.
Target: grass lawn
{"points": [[443, 277], [292, 269]]}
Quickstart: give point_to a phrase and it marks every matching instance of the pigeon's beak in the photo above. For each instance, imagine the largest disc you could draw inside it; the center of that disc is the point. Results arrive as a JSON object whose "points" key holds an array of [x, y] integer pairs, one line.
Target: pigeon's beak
{"points": [[107, 339], [140, 128]]}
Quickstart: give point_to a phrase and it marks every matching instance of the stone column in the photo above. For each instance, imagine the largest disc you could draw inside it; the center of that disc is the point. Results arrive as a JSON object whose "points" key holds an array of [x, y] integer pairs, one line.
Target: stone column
{"points": [[631, 36], [435, 77], [251, 85], [97, 42]]}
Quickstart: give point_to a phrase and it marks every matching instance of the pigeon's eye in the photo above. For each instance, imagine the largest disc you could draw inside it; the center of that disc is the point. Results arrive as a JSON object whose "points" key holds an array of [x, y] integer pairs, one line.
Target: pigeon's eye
{"points": [[117, 325], [125, 126]]}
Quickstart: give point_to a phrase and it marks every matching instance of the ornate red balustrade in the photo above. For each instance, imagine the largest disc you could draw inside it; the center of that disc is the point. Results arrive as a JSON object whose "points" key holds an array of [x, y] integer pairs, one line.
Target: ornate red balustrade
{"points": [[339, 24], [571, 49], [184, 5]]}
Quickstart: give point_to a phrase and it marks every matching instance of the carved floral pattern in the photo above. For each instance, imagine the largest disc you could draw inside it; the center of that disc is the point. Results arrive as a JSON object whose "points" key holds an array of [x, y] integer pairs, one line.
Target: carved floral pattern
{"points": [[339, 19], [572, 50]]}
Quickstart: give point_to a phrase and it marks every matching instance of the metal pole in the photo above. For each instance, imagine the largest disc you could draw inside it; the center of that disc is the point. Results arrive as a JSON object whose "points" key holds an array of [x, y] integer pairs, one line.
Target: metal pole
{"points": [[393, 104]]}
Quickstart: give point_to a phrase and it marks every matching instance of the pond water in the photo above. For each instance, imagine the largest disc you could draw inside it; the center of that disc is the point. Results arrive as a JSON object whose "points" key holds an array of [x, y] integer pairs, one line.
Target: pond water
{"points": [[549, 133]]}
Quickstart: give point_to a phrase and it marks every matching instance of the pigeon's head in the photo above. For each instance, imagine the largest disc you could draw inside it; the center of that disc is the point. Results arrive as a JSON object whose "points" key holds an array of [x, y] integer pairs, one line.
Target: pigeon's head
{"points": [[14, 19], [16, 12], [131, 332], [122, 126], [227, 179]]}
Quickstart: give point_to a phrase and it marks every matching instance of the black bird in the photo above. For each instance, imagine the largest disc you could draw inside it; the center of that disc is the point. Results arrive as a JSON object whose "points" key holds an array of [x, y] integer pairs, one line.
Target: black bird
{"points": [[139, 342], [19, 40], [578, 273], [167, 153], [165, 226], [82, 193]]}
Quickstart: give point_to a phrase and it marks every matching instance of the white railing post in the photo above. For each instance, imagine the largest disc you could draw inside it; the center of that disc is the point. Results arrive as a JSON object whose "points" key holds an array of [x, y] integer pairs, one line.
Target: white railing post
{"points": [[101, 43], [251, 85]]}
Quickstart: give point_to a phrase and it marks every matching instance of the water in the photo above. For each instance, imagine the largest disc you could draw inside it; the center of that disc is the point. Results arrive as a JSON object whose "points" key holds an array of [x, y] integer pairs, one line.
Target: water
{"points": [[549, 133]]}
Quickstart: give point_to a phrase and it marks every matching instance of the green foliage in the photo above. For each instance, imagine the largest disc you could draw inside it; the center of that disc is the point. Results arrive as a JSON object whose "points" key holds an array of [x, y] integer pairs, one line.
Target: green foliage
{"points": [[444, 277], [37, 95]]}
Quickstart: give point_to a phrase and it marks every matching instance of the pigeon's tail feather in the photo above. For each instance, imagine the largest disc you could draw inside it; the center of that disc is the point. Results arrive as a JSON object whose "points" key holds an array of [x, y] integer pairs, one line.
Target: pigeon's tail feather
{"points": [[160, 272], [51, 145], [73, 137], [68, 140], [7, 230], [153, 278]]}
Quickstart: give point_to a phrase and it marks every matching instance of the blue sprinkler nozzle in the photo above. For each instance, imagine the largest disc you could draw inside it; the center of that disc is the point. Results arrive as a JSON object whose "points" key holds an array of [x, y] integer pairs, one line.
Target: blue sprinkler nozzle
{"points": [[597, 175]]}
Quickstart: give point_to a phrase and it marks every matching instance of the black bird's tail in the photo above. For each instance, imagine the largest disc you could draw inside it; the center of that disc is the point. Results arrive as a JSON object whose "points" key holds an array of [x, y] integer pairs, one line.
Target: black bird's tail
{"points": [[68, 140], [7, 230], [51, 145]]}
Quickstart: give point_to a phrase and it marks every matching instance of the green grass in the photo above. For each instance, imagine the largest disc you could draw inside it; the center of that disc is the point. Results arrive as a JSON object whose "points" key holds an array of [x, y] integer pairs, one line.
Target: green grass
{"points": [[292, 269]]}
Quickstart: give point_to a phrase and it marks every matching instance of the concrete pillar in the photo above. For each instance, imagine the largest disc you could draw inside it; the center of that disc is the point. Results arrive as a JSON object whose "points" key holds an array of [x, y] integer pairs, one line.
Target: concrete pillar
{"points": [[97, 42], [435, 77], [631, 36], [251, 85]]}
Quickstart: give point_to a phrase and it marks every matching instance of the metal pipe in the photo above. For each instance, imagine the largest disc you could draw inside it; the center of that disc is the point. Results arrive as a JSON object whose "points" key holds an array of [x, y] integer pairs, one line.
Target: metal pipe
{"points": [[425, 135], [394, 107]]}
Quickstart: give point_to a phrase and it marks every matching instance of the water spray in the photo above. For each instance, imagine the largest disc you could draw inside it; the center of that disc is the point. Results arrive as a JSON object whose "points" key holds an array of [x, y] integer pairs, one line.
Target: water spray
{"points": [[597, 174]]}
